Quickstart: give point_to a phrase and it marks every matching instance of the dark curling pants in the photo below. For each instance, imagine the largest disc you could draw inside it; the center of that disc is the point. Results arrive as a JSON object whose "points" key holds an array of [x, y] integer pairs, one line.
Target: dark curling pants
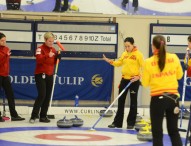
{"points": [[131, 119], [6, 84], [58, 4], [44, 88], [135, 2], [158, 107]]}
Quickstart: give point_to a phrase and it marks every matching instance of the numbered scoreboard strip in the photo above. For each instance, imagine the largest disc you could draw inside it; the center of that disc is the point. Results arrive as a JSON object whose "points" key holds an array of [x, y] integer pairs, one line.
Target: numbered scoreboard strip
{"points": [[88, 40], [80, 39], [19, 35], [176, 37]]}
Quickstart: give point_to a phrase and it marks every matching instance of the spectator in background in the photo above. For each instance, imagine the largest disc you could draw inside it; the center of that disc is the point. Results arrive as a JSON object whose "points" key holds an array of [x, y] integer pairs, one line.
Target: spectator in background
{"points": [[13, 4], [59, 7], [5, 53], [131, 61]]}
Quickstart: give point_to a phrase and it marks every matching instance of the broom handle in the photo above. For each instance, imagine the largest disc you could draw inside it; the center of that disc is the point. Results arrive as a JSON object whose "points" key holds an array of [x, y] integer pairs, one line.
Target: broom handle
{"points": [[111, 105], [54, 80]]}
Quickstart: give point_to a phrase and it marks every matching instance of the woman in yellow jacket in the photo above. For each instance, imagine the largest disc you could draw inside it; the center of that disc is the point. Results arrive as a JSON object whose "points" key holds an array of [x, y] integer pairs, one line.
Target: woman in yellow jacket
{"points": [[160, 73], [131, 61]]}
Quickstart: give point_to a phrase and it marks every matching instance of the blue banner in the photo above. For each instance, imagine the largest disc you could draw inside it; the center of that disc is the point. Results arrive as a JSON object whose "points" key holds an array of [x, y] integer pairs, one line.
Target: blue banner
{"points": [[89, 79], [187, 96]]}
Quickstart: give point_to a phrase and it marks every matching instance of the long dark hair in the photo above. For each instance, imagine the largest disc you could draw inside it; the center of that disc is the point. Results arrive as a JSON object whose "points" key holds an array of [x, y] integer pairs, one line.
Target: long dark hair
{"points": [[160, 44]]}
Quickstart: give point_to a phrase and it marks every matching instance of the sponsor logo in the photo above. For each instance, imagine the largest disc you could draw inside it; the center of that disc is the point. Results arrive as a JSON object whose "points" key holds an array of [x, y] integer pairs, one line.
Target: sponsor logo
{"points": [[97, 80], [59, 80], [188, 81]]}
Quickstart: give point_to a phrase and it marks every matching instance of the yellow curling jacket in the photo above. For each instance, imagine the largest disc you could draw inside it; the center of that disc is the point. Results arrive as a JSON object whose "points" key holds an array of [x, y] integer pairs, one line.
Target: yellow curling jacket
{"points": [[189, 61], [165, 81], [131, 63]]}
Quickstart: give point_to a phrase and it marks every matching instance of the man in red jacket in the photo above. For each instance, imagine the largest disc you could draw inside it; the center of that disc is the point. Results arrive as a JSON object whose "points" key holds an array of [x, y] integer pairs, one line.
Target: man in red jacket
{"points": [[4, 78], [46, 57]]}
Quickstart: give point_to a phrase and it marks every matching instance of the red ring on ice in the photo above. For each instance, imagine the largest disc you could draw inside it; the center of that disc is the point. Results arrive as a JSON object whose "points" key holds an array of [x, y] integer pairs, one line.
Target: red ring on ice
{"points": [[84, 137]]}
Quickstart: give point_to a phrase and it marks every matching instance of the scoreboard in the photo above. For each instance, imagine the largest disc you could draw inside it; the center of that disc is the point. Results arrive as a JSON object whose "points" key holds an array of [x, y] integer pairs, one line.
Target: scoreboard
{"points": [[19, 35], [176, 37], [89, 40], [80, 39]]}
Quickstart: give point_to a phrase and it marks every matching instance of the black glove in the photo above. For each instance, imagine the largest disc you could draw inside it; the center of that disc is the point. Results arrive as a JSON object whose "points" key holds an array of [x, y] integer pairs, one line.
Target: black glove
{"points": [[59, 56]]}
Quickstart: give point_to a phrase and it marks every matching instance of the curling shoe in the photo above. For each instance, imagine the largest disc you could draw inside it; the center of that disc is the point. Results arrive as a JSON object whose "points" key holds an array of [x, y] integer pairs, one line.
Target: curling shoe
{"points": [[114, 126], [32, 120], [17, 118], [44, 120], [130, 127], [1, 119]]}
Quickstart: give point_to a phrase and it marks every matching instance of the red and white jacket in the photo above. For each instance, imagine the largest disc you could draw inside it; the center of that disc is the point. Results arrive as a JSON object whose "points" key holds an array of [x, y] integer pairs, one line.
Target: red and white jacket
{"points": [[4, 61], [44, 63]]}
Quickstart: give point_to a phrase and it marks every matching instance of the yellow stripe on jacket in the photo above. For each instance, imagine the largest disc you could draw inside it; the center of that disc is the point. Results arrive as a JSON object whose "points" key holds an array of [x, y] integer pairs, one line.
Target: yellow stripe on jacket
{"points": [[165, 81], [131, 63]]}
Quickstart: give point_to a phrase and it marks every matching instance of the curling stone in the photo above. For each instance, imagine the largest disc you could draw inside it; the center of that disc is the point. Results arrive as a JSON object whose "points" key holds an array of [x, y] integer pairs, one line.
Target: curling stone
{"points": [[145, 136], [140, 124], [145, 128], [186, 114], [74, 8], [64, 123], [108, 114], [138, 119], [77, 122]]}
